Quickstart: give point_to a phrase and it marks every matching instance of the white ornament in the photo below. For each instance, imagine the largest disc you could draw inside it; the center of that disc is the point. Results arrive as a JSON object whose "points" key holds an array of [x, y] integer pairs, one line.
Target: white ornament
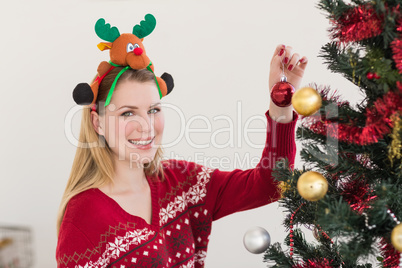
{"points": [[257, 240]]}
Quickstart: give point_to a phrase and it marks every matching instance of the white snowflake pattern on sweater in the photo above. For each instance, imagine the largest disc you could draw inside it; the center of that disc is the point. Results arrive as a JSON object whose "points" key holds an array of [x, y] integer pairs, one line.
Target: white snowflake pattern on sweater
{"points": [[195, 194], [121, 244], [200, 256], [190, 264]]}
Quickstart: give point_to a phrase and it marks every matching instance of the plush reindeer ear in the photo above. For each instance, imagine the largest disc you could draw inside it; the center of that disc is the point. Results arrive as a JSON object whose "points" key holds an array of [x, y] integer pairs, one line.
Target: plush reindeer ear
{"points": [[83, 94], [103, 46]]}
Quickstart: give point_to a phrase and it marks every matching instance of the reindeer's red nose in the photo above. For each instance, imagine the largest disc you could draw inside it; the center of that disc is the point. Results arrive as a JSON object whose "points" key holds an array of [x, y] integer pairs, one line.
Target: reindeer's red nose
{"points": [[138, 51]]}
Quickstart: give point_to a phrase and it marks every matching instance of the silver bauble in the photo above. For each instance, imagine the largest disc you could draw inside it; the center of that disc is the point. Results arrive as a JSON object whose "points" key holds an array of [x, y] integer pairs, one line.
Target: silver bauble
{"points": [[257, 240]]}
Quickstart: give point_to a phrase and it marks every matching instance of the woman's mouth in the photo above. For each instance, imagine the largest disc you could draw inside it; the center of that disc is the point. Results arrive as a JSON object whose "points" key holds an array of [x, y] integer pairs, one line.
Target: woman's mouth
{"points": [[142, 144]]}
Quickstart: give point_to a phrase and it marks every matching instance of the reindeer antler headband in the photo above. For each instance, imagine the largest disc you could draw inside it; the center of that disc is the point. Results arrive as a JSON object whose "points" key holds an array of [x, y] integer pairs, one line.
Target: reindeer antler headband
{"points": [[126, 50]]}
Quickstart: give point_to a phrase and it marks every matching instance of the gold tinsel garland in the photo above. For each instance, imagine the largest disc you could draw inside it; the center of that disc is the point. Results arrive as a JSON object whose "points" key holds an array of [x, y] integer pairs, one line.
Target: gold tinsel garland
{"points": [[395, 148], [283, 186]]}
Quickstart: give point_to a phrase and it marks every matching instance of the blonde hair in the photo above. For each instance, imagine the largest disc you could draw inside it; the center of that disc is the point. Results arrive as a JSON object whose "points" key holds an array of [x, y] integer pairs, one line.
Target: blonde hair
{"points": [[93, 165]]}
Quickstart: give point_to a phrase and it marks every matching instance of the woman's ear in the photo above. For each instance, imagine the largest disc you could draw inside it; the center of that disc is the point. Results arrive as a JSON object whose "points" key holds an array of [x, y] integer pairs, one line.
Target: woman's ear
{"points": [[95, 119]]}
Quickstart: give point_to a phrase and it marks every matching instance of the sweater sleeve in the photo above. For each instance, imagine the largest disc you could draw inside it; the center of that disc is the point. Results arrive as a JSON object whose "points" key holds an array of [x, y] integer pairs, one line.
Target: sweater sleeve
{"points": [[239, 190], [74, 249]]}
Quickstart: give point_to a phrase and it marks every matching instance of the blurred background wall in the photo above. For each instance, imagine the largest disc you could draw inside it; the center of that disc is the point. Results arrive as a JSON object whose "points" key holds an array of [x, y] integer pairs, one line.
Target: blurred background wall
{"points": [[218, 53]]}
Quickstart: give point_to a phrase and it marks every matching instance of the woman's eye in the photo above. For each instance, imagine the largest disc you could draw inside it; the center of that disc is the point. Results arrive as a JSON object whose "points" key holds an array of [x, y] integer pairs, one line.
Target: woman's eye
{"points": [[125, 113], [155, 110]]}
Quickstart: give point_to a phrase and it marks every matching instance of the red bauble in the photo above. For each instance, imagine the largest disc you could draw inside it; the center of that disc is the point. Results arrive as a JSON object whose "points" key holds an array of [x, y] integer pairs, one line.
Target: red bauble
{"points": [[281, 94], [370, 76], [376, 76]]}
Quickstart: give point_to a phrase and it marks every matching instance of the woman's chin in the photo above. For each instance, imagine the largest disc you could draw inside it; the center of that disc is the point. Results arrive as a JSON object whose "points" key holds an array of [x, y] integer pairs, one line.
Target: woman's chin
{"points": [[142, 157]]}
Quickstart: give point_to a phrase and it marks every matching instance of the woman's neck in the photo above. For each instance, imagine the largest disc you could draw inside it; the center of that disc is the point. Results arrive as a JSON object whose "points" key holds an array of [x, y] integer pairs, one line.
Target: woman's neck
{"points": [[127, 178]]}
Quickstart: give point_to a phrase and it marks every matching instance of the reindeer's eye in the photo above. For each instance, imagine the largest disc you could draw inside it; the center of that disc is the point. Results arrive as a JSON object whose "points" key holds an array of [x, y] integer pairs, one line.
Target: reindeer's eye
{"points": [[130, 47]]}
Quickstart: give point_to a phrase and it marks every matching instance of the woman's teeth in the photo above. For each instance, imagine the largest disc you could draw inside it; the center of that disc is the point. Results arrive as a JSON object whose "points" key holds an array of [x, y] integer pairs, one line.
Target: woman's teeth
{"points": [[141, 142]]}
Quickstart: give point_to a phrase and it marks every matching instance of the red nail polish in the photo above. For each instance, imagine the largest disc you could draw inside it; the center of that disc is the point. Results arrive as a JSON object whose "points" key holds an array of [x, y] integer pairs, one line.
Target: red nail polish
{"points": [[301, 60], [290, 67], [286, 60], [281, 52]]}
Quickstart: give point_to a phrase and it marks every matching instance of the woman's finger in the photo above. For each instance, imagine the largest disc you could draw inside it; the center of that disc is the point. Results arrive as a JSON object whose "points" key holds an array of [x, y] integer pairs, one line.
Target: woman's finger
{"points": [[278, 53], [293, 61], [279, 50], [287, 55], [303, 62]]}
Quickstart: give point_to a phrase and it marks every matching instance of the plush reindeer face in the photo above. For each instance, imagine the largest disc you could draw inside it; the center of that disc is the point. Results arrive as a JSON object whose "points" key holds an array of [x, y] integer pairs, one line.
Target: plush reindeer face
{"points": [[129, 50], [126, 49]]}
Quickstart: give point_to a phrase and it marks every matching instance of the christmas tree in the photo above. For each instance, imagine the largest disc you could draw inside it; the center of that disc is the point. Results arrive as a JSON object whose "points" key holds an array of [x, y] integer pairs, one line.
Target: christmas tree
{"points": [[349, 191]]}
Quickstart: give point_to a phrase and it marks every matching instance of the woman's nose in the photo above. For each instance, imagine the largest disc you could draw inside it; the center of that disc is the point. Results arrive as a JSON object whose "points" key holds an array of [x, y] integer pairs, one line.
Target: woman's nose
{"points": [[146, 125]]}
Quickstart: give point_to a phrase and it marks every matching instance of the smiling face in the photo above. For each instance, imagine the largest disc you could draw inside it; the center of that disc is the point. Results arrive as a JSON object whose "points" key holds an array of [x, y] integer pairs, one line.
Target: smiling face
{"points": [[133, 122]]}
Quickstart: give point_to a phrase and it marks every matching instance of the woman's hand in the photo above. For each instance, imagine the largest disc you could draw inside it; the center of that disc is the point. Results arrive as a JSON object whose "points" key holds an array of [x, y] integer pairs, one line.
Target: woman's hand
{"points": [[294, 66], [293, 63]]}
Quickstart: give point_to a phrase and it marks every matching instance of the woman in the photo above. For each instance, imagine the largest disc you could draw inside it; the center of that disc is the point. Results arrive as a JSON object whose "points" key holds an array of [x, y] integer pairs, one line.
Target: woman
{"points": [[125, 207]]}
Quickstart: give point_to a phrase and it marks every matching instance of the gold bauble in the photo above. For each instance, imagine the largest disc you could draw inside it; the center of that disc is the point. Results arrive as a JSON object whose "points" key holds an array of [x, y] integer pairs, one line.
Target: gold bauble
{"points": [[396, 237], [312, 186], [306, 101]]}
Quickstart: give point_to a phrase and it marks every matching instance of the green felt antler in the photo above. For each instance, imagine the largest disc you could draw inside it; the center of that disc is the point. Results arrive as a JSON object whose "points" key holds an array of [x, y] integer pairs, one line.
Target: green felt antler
{"points": [[146, 26], [105, 32]]}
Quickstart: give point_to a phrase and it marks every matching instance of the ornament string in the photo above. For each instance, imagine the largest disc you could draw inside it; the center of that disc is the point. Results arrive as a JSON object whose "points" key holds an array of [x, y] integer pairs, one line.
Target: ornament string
{"points": [[393, 216], [366, 222], [291, 249], [324, 234], [283, 76], [390, 260], [291, 230], [397, 222]]}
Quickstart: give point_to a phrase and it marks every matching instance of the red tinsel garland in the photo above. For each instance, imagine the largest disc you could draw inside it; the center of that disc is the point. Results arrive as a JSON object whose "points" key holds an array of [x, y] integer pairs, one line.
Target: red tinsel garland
{"points": [[396, 46], [355, 190], [357, 24], [357, 194], [378, 122], [390, 254], [323, 263]]}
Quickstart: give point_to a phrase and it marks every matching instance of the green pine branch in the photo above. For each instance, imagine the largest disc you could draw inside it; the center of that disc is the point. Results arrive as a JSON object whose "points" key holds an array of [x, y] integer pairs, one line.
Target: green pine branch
{"points": [[334, 8]]}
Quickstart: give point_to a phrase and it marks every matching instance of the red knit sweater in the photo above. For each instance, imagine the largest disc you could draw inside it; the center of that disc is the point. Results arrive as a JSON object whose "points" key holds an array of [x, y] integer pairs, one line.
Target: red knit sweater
{"points": [[97, 232]]}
